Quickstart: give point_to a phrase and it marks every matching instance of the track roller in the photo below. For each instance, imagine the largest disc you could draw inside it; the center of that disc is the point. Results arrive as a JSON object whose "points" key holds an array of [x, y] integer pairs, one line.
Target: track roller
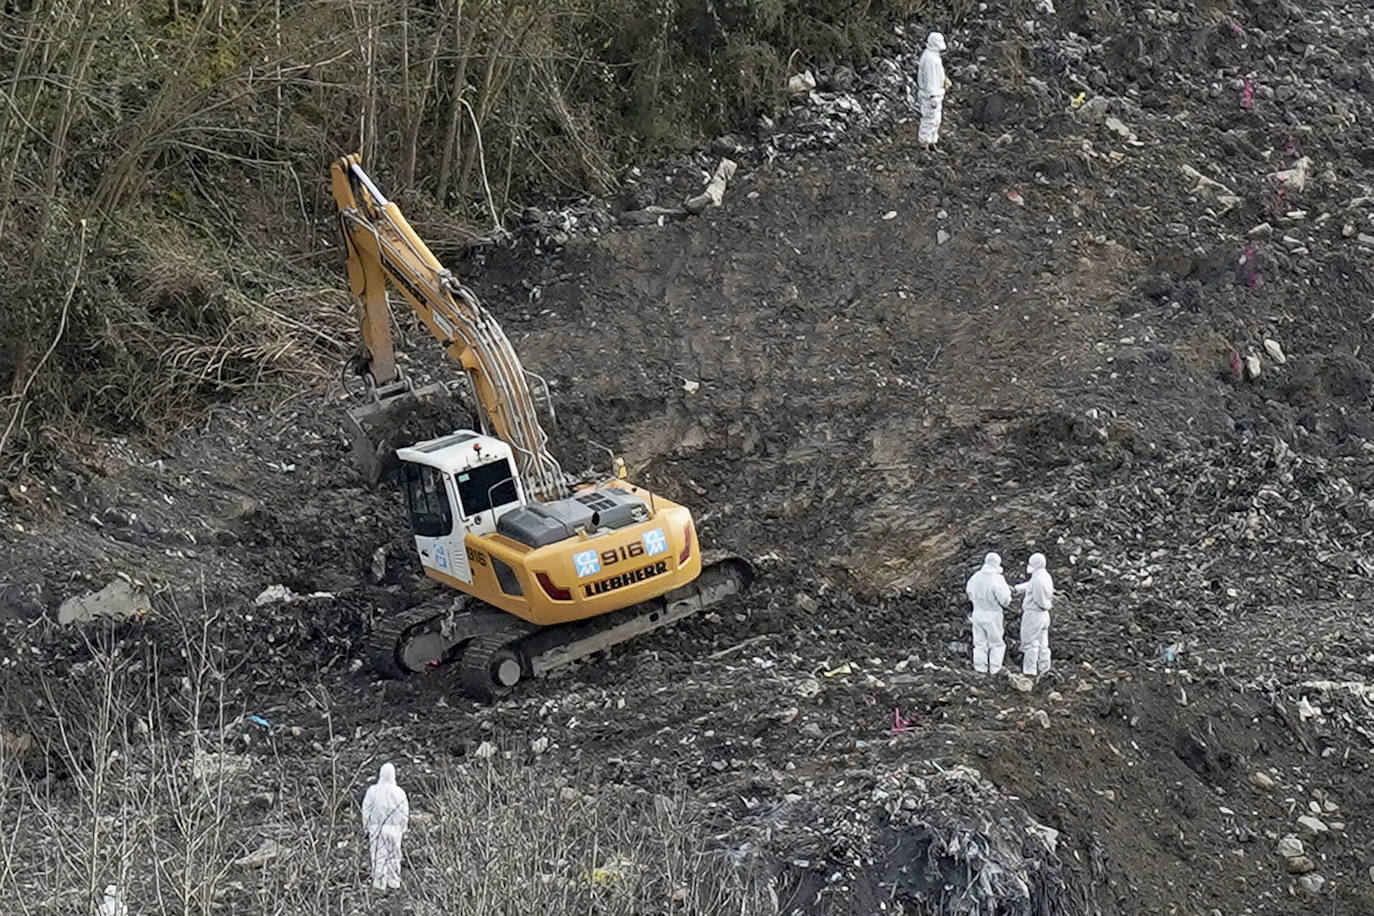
{"points": [[491, 667]]}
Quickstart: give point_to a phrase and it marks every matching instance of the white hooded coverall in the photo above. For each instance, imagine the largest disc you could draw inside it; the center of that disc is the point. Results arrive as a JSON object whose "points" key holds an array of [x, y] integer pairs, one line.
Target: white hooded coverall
{"points": [[989, 592], [112, 905], [930, 85], [1035, 616], [386, 815]]}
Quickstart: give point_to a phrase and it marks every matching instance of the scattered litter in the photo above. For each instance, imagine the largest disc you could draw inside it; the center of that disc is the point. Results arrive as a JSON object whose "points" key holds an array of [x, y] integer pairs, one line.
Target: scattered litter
{"points": [[612, 872], [714, 195], [801, 83], [281, 594], [691, 387]]}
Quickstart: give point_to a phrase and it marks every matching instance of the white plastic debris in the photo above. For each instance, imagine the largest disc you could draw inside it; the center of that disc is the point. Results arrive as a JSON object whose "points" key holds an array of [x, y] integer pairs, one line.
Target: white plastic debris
{"points": [[485, 751], [280, 594], [801, 83]]}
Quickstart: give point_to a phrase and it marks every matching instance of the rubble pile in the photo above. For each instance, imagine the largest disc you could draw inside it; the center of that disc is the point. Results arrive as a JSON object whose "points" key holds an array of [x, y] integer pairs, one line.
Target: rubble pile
{"points": [[941, 839]]}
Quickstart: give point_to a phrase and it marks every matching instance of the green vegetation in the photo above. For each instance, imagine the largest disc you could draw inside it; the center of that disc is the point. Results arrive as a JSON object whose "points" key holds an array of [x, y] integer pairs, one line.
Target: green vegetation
{"points": [[194, 138]]}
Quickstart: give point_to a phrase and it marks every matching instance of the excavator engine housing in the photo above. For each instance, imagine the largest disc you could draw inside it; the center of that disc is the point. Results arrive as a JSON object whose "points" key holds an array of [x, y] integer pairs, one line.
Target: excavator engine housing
{"points": [[551, 562]]}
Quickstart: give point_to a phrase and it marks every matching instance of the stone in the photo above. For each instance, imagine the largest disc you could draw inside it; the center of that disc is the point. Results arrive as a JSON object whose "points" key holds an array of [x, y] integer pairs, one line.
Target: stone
{"points": [[1021, 682], [1262, 231], [1093, 110], [539, 745], [485, 751], [1300, 865], [941, 237], [1312, 883], [1365, 239], [1296, 177], [1289, 847], [118, 600], [1252, 366], [1261, 780], [1312, 826], [1116, 126], [1275, 351]]}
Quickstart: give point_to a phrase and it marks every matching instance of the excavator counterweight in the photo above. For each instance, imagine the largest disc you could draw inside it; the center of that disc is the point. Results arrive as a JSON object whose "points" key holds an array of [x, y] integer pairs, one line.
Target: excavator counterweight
{"points": [[545, 573]]}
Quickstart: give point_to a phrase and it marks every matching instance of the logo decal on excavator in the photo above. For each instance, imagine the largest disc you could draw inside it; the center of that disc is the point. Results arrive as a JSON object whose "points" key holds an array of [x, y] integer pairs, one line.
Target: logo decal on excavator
{"points": [[603, 586], [655, 542], [588, 563]]}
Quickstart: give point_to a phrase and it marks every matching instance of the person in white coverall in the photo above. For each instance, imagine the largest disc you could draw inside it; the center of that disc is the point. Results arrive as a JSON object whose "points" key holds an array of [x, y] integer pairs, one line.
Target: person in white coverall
{"points": [[386, 815], [1035, 616], [112, 905], [990, 594], [931, 85]]}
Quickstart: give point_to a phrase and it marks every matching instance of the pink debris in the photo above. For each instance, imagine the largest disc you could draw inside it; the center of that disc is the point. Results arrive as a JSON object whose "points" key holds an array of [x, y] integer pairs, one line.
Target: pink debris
{"points": [[1247, 96], [899, 724]]}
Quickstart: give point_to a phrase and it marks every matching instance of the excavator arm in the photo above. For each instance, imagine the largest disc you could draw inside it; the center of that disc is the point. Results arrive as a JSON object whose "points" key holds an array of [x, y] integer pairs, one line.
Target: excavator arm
{"points": [[382, 247]]}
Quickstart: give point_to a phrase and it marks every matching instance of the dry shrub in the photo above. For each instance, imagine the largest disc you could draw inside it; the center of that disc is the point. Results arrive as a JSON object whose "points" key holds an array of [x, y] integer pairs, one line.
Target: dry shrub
{"points": [[195, 138], [155, 780]]}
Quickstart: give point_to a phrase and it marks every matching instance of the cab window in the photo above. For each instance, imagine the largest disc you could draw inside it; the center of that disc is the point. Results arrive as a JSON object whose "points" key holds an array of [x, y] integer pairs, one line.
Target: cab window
{"points": [[430, 515], [485, 486]]}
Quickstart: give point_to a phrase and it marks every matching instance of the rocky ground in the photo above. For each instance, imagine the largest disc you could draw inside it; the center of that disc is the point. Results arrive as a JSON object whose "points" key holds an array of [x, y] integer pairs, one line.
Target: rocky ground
{"points": [[1119, 318]]}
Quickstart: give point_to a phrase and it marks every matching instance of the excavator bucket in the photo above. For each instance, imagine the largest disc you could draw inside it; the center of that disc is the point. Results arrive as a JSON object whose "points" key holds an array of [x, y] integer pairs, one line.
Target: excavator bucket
{"points": [[396, 418]]}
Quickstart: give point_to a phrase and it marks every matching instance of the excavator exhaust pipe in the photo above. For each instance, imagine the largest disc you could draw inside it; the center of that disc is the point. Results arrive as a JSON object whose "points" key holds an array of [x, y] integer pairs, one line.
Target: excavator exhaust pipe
{"points": [[395, 416]]}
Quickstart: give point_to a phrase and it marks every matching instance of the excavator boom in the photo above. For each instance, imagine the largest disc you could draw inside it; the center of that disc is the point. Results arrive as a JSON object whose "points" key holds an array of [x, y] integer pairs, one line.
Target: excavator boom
{"points": [[547, 576], [382, 246]]}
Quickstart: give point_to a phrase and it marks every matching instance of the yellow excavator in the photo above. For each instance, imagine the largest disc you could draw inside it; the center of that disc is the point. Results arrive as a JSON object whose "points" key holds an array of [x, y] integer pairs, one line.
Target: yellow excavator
{"points": [[548, 573]]}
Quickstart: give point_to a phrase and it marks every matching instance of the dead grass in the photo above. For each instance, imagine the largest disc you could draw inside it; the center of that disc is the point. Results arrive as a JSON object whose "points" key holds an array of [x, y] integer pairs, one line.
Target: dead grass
{"points": [[155, 782]]}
